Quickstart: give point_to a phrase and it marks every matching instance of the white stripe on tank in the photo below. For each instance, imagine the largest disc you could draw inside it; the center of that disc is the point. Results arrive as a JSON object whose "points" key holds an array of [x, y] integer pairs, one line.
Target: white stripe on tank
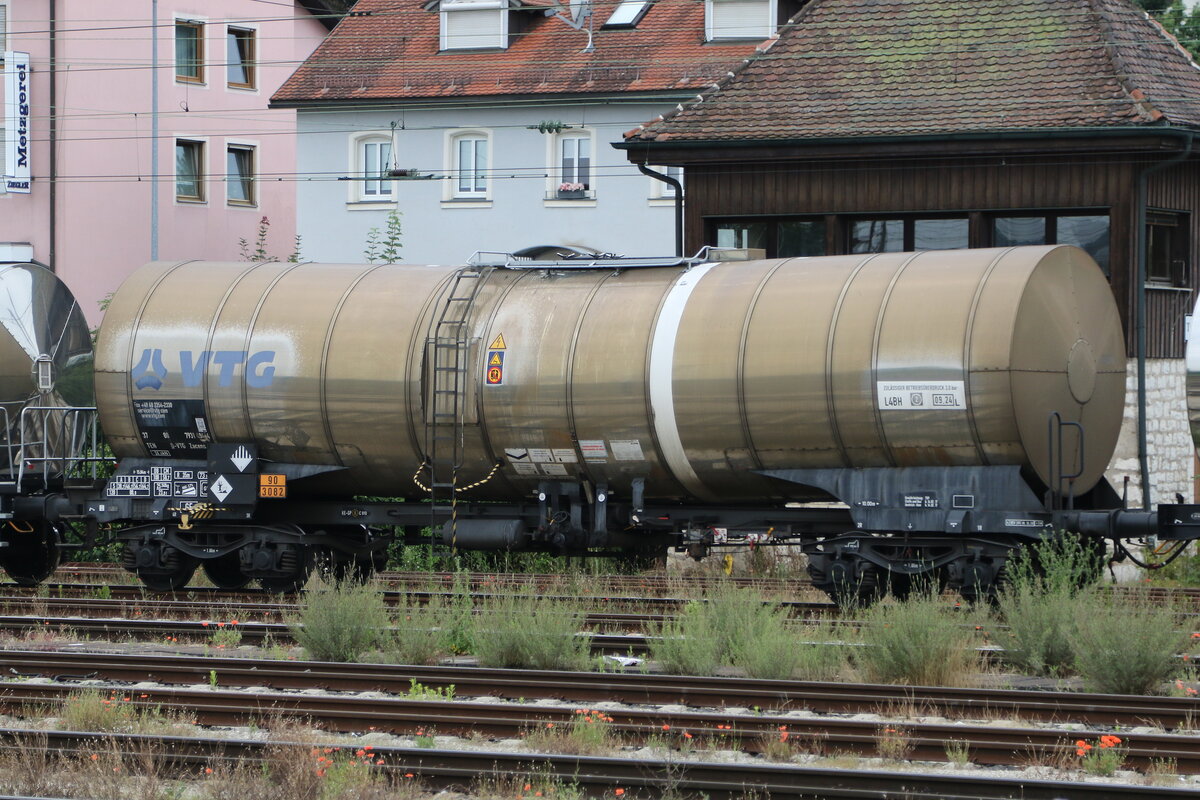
{"points": [[662, 390]]}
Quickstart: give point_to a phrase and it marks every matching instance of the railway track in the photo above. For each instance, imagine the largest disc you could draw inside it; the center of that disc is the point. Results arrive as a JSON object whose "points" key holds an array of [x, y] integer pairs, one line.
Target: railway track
{"points": [[743, 728], [101, 596], [749, 732], [601, 776], [251, 632], [822, 697]]}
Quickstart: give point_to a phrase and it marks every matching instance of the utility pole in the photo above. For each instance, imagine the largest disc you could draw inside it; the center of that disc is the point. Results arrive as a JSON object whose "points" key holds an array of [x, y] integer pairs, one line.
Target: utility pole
{"points": [[154, 130]]}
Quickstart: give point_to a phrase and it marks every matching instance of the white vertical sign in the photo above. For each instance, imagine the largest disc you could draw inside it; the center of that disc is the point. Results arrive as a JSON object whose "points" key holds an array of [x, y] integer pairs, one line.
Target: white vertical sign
{"points": [[16, 122]]}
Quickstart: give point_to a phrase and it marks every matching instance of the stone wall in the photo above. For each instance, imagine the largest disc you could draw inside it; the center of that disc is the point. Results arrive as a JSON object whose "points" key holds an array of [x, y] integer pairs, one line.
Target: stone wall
{"points": [[1168, 440]]}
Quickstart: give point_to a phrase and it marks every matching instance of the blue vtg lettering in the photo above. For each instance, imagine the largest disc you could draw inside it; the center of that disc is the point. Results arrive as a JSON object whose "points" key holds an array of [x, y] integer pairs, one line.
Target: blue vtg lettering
{"points": [[151, 370]]}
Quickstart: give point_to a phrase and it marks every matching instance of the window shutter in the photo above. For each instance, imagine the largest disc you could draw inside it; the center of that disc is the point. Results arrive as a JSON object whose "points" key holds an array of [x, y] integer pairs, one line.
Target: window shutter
{"points": [[739, 19], [473, 29]]}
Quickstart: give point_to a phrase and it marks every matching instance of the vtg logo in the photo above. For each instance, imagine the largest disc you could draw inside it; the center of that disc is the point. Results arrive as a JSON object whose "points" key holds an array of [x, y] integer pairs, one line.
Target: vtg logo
{"points": [[150, 371]]}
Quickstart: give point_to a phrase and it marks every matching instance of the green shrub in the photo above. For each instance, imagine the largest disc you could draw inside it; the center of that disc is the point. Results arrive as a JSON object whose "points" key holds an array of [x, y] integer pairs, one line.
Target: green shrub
{"points": [[1127, 645], [920, 641], [1038, 637], [530, 632], [1045, 585], [417, 636], [340, 621], [819, 657], [687, 644]]}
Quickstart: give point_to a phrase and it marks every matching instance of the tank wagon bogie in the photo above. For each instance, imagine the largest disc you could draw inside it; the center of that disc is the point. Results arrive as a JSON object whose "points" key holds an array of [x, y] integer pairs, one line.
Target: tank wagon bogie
{"points": [[895, 415]]}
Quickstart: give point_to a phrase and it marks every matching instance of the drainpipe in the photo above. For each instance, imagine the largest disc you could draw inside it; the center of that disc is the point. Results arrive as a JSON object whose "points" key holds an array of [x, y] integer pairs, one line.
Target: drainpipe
{"points": [[51, 260], [678, 203], [1143, 245]]}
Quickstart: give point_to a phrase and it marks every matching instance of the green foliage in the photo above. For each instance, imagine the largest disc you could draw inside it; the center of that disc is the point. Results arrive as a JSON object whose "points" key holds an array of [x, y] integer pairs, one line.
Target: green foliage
{"points": [[686, 644], [920, 641], [419, 691], [1177, 20], [340, 621], [257, 251], [531, 632], [1046, 585], [1125, 645], [418, 635], [383, 247], [739, 627]]}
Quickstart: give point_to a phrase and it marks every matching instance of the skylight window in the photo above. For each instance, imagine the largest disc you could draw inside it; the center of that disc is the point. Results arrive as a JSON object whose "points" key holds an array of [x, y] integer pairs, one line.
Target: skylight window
{"points": [[627, 14]]}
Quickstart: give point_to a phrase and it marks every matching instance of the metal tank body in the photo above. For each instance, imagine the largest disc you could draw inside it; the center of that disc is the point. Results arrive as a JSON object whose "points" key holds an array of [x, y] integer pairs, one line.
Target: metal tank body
{"points": [[690, 378], [45, 364]]}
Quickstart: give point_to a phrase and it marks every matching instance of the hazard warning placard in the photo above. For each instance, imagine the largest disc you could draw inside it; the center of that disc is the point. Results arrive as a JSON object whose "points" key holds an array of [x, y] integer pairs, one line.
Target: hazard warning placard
{"points": [[494, 369]]}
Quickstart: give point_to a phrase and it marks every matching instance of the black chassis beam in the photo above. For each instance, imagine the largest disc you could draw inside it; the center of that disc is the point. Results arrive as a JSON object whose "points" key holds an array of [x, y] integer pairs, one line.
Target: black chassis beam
{"points": [[201, 541], [876, 550]]}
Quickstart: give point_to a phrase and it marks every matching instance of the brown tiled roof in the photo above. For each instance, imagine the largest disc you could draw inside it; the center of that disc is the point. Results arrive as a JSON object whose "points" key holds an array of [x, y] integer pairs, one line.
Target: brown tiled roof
{"points": [[389, 51], [854, 68]]}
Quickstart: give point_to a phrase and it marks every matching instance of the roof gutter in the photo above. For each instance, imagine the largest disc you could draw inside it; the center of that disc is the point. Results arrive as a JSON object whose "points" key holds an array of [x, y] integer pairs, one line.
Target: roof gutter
{"points": [[1143, 245], [1049, 133]]}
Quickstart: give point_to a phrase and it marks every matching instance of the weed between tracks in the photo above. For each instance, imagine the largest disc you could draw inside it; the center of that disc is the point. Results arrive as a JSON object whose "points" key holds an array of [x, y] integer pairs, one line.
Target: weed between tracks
{"points": [[119, 712], [116, 770], [589, 733]]}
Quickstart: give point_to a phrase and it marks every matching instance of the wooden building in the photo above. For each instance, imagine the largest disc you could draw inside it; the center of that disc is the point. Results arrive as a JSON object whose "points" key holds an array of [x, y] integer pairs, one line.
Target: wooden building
{"points": [[875, 125]]}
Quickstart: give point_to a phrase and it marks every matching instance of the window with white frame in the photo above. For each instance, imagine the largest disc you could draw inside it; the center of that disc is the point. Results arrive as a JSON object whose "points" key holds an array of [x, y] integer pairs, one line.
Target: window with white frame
{"points": [[239, 174], [473, 24], [239, 58], [575, 170], [189, 170], [373, 158], [662, 188], [189, 51], [469, 164], [739, 19]]}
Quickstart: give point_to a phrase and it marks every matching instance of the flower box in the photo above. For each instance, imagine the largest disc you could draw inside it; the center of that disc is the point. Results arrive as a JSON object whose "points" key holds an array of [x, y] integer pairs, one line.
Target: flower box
{"points": [[571, 194]]}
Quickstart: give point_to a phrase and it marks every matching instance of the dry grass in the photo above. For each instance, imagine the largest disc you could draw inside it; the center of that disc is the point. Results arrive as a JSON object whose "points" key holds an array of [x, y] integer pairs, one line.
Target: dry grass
{"points": [[893, 743], [109, 773], [119, 712], [590, 733]]}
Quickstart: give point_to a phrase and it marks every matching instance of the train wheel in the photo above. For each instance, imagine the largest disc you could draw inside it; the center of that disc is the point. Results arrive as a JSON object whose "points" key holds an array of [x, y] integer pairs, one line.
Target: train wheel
{"points": [[226, 572], [850, 582], [33, 555]]}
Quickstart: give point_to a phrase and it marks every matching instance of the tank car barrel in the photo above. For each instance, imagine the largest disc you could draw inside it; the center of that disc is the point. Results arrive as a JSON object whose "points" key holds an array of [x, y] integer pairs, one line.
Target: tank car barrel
{"points": [[693, 379]]}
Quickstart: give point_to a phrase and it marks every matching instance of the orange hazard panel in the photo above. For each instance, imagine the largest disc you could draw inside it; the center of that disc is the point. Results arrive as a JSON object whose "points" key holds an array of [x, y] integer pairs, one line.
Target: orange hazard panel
{"points": [[272, 486]]}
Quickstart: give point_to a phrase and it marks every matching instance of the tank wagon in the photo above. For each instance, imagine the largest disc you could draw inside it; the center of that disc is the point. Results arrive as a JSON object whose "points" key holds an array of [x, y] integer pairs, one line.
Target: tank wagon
{"points": [[895, 414]]}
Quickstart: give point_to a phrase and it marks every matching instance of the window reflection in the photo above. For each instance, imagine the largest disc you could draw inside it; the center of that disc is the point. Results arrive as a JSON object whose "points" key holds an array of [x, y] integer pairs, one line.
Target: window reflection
{"points": [[877, 236], [1087, 232], [1014, 231], [939, 234], [804, 237]]}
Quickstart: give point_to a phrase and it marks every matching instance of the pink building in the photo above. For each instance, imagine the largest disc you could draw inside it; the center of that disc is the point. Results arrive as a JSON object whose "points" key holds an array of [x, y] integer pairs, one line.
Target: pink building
{"points": [[104, 193]]}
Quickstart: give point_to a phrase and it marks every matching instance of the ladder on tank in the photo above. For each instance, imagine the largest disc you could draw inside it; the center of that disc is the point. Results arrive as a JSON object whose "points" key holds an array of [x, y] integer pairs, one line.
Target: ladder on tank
{"points": [[448, 351]]}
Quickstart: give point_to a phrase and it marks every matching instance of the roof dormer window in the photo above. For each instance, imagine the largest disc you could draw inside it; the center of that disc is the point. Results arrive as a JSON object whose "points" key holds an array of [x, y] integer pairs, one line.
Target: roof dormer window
{"points": [[739, 19], [474, 24], [627, 14]]}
